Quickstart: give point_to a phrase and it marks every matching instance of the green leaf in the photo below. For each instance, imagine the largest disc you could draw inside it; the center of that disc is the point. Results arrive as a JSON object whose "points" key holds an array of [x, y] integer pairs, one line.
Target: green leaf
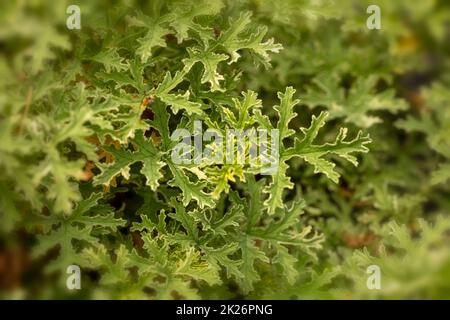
{"points": [[153, 38], [210, 61], [286, 112], [191, 190], [314, 154], [441, 175], [63, 230], [237, 38], [111, 60], [182, 18], [356, 105], [250, 253], [280, 182], [145, 152], [178, 102]]}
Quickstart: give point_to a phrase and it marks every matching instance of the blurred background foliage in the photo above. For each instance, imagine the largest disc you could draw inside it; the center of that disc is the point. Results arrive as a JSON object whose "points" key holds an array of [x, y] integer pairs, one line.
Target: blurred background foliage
{"points": [[392, 211]]}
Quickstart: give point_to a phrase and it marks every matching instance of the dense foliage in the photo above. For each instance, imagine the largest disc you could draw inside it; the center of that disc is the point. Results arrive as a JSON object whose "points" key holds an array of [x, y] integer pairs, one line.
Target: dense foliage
{"points": [[86, 118]]}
